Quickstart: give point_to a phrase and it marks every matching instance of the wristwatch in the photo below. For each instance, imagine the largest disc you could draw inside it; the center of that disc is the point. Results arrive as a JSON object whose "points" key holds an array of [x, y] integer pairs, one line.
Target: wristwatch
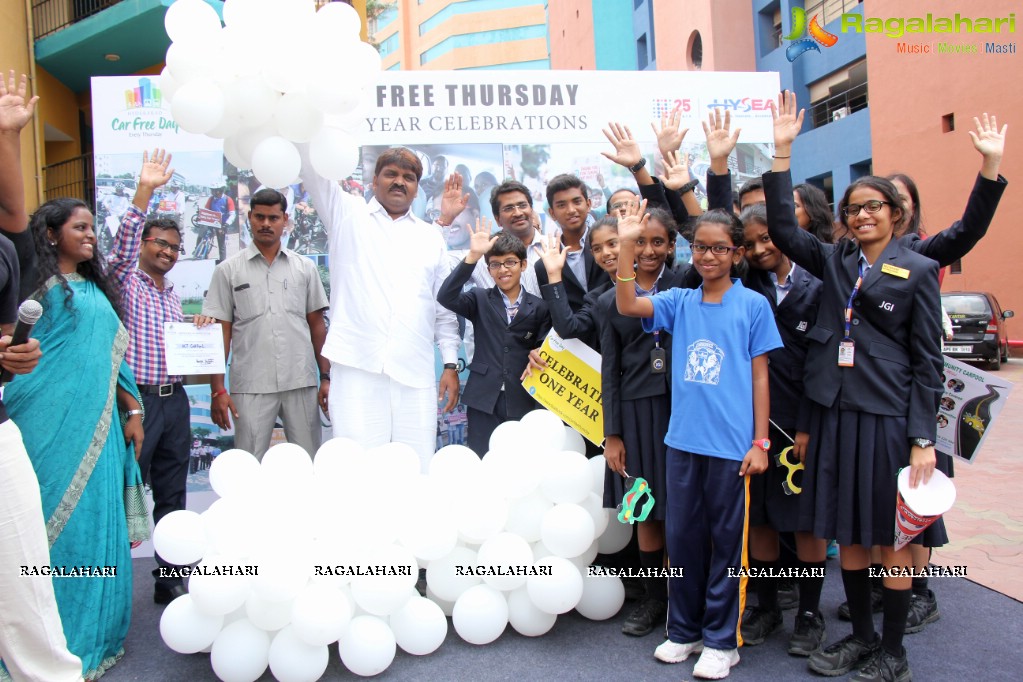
{"points": [[688, 187], [451, 365], [639, 165], [921, 442], [764, 444], [324, 376]]}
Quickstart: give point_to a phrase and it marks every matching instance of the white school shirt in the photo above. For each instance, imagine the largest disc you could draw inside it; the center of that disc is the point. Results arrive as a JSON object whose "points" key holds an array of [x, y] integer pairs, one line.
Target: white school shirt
{"points": [[481, 274], [384, 279]]}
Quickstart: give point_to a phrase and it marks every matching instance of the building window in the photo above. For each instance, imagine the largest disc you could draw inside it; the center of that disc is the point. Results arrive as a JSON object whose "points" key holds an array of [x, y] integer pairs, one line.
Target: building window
{"points": [[769, 28], [642, 58], [836, 96], [694, 52], [956, 268]]}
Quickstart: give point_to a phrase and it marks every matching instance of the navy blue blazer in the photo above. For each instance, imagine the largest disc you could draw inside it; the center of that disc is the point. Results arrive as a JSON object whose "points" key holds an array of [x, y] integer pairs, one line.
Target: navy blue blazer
{"points": [[896, 322], [625, 356], [956, 241], [575, 290], [502, 349], [582, 324]]}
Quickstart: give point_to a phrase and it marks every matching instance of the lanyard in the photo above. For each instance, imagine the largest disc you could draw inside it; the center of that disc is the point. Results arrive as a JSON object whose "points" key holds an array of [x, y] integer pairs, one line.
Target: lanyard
{"points": [[849, 306]]}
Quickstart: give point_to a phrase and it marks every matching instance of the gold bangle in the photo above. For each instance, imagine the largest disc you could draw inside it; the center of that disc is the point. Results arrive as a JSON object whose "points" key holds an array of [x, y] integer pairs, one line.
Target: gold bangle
{"points": [[626, 279], [783, 157]]}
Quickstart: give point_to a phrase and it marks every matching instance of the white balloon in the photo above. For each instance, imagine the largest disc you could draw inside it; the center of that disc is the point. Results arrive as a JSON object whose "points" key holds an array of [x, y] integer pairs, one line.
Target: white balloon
{"points": [[486, 513], [333, 154], [367, 648], [545, 429], [267, 615], [509, 435], [504, 551], [337, 21], [382, 595], [446, 580], [558, 592], [198, 105], [276, 163], [566, 477], [594, 505], [222, 594], [398, 461], [598, 465], [526, 514], [187, 62], [445, 605], [285, 67], [523, 615], [296, 117], [365, 64], [240, 652], [191, 20], [180, 537], [249, 14], [281, 577], [574, 441], [480, 615], [455, 463], [419, 626], [229, 125], [616, 537], [330, 95], [187, 630], [320, 614], [583, 561], [603, 596], [511, 471], [430, 534], [233, 472], [254, 99], [293, 660], [168, 84], [232, 154], [567, 530]]}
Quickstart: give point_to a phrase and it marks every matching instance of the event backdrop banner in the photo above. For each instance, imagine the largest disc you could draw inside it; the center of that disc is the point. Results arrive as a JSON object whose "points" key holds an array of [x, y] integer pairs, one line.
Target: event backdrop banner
{"points": [[485, 125]]}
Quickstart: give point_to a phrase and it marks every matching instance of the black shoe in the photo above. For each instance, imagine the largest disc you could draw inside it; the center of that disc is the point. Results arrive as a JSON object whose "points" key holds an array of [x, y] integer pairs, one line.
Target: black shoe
{"points": [[885, 668], [758, 624], [421, 583], [922, 610], [809, 634], [650, 614], [844, 656], [876, 604], [165, 595], [788, 594]]}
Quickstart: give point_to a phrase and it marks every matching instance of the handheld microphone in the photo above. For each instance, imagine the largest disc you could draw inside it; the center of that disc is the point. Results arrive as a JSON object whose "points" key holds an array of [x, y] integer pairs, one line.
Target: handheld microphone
{"points": [[29, 313]]}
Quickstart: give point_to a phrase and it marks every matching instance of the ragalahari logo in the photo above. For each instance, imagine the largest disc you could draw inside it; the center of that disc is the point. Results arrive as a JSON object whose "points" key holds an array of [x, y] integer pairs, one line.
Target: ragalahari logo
{"points": [[145, 95], [801, 45]]}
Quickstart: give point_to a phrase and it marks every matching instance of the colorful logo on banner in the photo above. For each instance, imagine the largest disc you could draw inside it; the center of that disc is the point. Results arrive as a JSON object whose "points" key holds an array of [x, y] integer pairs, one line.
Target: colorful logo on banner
{"points": [[144, 95], [801, 45], [665, 105]]}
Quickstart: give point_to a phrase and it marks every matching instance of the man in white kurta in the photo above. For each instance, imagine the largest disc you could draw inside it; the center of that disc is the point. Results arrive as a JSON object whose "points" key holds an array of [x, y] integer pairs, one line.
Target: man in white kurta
{"points": [[386, 266]]}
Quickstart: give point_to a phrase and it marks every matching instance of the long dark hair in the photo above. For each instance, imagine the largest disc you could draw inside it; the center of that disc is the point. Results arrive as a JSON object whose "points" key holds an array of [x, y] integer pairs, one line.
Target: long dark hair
{"points": [[915, 223], [815, 203], [52, 216]]}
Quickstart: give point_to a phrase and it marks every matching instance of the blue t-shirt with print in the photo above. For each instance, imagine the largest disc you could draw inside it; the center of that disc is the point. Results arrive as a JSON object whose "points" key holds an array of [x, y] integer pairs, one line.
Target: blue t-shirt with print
{"points": [[713, 346]]}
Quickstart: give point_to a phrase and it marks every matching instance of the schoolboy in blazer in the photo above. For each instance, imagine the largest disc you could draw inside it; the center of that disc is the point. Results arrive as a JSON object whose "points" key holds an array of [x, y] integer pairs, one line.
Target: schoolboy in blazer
{"points": [[508, 322]]}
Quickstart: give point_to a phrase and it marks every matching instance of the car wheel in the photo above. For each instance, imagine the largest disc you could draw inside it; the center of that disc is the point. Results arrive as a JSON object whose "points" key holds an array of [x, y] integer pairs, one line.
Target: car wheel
{"points": [[1005, 353], [995, 363]]}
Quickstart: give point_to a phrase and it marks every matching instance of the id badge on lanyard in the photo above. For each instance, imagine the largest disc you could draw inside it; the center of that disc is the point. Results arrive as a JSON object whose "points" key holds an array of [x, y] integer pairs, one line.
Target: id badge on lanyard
{"points": [[847, 347], [658, 358]]}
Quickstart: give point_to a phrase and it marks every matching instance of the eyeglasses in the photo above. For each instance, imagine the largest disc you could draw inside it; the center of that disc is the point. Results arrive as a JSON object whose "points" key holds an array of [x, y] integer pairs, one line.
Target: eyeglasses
{"points": [[716, 249], [512, 208], [509, 264], [872, 206], [619, 205], [163, 244]]}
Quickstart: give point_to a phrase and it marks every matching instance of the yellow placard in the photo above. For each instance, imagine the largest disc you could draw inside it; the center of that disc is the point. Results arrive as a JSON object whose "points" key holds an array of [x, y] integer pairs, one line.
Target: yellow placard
{"points": [[570, 386], [890, 269]]}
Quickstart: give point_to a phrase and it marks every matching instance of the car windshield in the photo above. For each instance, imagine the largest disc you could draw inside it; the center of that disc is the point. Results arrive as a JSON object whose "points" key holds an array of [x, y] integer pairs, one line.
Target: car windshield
{"points": [[972, 305]]}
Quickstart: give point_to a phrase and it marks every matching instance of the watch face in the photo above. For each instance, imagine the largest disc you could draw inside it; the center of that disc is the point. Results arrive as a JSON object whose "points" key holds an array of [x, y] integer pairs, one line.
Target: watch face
{"points": [[767, 444]]}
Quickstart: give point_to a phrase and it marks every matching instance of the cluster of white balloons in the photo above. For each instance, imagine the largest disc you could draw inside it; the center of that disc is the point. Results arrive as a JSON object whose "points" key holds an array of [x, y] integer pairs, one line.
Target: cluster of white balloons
{"points": [[299, 553], [278, 72]]}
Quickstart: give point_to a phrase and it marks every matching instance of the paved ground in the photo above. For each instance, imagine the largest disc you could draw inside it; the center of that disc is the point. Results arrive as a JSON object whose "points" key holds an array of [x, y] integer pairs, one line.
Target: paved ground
{"points": [[986, 523]]}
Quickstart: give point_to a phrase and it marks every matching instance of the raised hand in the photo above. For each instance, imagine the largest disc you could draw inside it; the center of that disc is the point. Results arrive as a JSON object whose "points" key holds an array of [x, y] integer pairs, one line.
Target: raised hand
{"points": [[155, 172], [676, 170], [15, 112], [990, 142], [452, 201], [787, 123], [669, 138], [553, 256], [480, 241], [721, 139], [627, 152], [632, 224]]}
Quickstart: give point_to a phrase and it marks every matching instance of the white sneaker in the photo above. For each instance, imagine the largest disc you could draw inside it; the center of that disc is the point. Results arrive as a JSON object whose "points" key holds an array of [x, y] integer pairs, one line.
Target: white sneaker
{"points": [[715, 664], [673, 652]]}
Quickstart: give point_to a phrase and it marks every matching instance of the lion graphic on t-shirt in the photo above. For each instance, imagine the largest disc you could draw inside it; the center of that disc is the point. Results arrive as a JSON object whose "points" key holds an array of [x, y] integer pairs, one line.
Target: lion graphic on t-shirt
{"points": [[703, 364]]}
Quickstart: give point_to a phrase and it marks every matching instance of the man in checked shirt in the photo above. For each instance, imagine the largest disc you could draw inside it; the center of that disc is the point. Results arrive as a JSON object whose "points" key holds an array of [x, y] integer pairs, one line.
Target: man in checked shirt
{"points": [[149, 300]]}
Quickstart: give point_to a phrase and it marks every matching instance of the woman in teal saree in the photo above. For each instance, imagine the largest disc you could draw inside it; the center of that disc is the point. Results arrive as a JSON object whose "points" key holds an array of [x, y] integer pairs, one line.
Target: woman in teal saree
{"points": [[70, 411]]}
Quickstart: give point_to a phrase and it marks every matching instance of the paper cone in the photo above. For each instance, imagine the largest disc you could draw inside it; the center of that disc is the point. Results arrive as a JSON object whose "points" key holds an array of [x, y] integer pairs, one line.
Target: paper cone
{"points": [[915, 509]]}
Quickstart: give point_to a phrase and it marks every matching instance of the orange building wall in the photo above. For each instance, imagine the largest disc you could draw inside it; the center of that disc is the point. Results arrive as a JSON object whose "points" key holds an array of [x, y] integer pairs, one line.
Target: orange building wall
{"points": [[15, 54], [725, 26], [909, 94], [570, 26]]}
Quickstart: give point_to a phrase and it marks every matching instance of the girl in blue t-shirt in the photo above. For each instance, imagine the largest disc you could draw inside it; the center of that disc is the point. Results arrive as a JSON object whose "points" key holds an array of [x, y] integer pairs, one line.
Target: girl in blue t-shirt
{"points": [[717, 433]]}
